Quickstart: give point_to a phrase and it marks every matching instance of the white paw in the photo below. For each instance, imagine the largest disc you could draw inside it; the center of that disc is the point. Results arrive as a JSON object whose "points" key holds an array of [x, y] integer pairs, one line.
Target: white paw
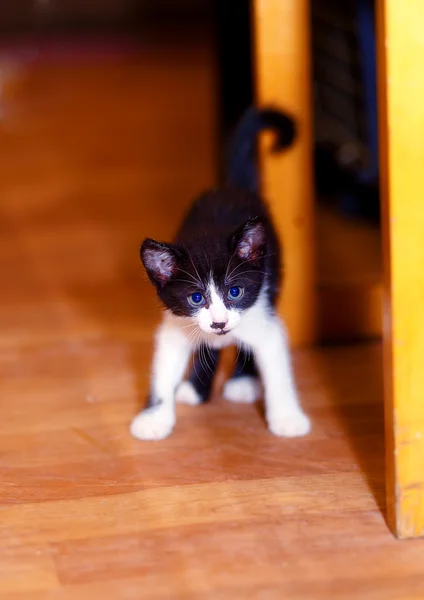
{"points": [[153, 423], [244, 389], [186, 394], [295, 424]]}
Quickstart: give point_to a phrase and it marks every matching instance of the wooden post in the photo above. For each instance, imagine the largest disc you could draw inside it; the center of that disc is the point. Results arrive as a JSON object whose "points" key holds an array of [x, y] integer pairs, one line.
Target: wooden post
{"points": [[283, 79], [400, 44]]}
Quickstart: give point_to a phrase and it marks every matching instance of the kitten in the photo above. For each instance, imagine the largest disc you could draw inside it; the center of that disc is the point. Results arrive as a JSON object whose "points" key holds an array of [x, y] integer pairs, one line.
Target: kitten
{"points": [[218, 282]]}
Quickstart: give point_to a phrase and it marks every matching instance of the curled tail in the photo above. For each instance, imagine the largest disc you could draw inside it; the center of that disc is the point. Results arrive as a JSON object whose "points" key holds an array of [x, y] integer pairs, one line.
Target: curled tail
{"points": [[241, 167]]}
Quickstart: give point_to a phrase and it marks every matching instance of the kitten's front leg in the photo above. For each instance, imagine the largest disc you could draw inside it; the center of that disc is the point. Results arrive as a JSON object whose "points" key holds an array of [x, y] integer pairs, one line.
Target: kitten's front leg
{"points": [[284, 414], [170, 359]]}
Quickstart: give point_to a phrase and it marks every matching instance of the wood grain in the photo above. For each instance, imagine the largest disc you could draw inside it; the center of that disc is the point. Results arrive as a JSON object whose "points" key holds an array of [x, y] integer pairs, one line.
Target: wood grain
{"points": [[333, 275], [283, 79], [93, 158], [401, 83]]}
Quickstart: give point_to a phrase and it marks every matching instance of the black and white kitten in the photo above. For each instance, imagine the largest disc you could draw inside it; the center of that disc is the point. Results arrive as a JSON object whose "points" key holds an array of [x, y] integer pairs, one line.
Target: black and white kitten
{"points": [[218, 281]]}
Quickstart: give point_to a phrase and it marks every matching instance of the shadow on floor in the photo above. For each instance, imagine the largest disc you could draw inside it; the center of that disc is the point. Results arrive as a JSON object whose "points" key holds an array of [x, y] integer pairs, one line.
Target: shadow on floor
{"points": [[353, 382]]}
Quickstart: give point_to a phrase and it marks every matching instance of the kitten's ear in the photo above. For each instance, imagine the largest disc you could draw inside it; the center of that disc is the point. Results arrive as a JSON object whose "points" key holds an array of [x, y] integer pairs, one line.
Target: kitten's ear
{"points": [[251, 239], [159, 260]]}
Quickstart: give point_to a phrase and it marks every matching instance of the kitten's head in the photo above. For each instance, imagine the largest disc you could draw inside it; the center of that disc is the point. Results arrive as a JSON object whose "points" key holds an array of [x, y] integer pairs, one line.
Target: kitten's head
{"points": [[211, 281]]}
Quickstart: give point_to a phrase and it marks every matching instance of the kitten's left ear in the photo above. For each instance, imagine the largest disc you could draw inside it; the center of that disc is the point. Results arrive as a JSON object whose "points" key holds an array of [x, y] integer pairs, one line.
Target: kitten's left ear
{"points": [[251, 240], [159, 260]]}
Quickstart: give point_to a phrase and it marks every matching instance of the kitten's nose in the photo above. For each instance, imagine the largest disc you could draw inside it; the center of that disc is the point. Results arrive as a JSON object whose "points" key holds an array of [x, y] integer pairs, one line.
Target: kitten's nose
{"points": [[218, 325]]}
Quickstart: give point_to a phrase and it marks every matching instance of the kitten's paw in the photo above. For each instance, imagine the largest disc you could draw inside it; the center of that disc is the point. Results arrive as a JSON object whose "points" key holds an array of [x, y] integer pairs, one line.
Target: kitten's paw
{"points": [[186, 394], [244, 389], [295, 424], [152, 424]]}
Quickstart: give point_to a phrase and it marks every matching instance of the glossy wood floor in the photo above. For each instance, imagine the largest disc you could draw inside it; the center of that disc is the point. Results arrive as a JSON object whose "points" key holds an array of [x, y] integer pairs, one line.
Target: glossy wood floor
{"points": [[93, 157]]}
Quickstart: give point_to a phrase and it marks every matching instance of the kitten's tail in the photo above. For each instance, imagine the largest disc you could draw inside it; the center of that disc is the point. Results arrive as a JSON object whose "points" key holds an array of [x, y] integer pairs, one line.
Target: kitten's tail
{"points": [[241, 167]]}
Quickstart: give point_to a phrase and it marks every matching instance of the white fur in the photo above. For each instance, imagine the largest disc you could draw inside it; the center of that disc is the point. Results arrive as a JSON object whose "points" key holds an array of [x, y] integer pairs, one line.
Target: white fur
{"points": [[245, 389], [217, 309], [216, 312], [186, 394], [153, 423], [258, 329], [265, 335], [172, 352]]}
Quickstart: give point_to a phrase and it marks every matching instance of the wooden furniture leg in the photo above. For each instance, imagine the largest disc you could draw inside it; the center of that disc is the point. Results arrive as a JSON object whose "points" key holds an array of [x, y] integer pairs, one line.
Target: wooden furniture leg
{"points": [[400, 44], [283, 79]]}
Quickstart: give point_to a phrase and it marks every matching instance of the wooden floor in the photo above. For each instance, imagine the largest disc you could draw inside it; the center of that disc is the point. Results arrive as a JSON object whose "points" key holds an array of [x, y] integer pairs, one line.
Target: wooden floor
{"points": [[93, 157]]}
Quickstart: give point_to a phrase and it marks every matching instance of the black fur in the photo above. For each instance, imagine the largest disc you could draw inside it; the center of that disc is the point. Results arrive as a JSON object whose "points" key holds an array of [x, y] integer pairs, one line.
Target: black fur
{"points": [[227, 232], [205, 363], [203, 371], [245, 365], [241, 167]]}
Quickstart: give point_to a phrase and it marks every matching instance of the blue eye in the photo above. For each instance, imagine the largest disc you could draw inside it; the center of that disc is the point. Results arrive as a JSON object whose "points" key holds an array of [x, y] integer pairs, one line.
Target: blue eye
{"points": [[235, 293], [196, 299]]}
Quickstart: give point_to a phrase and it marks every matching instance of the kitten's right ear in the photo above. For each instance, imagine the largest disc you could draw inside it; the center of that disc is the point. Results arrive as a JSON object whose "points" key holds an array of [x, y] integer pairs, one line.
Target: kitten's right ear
{"points": [[250, 240], [159, 260]]}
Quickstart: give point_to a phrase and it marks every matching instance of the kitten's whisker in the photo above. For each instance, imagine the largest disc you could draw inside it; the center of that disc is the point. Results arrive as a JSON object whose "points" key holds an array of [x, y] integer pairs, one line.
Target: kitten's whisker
{"points": [[212, 357], [247, 354], [197, 349], [194, 267], [202, 361], [243, 349], [236, 267], [192, 338], [199, 340], [195, 370], [260, 272], [250, 280], [237, 355], [189, 325], [244, 262], [237, 279], [186, 281], [190, 332], [207, 366], [229, 263], [196, 281]]}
